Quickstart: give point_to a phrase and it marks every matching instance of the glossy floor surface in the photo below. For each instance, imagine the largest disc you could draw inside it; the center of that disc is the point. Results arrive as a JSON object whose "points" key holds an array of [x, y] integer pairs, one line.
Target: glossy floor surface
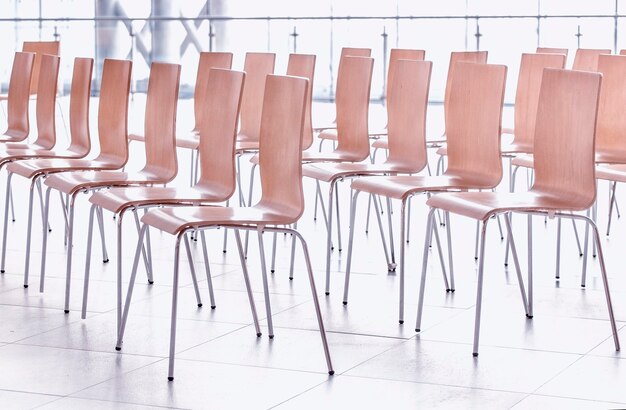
{"points": [[562, 358]]}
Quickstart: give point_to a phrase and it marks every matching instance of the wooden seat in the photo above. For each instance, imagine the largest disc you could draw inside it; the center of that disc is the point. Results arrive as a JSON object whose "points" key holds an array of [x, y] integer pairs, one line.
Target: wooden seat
{"points": [[564, 179], [18, 125], [282, 201], [473, 133]]}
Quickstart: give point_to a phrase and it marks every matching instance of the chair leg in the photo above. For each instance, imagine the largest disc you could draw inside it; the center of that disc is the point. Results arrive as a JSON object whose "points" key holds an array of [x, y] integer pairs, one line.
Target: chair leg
{"points": [[476, 242], [208, 269], [558, 249], [119, 267], [450, 263], [244, 268], [446, 284], [329, 225], [105, 254], [367, 217], [594, 216], [611, 204], [381, 230], [44, 241], [191, 176], [40, 193], [148, 249], [6, 222], [430, 221], [266, 291], [70, 237], [144, 254], [518, 270], [225, 233], [242, 201], [408, 221], [580, 251], [318, 193], [29, 230], [338, 218], [12, 206], [196, 166], [273, 266], [479, 289], [250, 190], [391, 267], [346, 284], [192, 270], [92, 211], [583, 279], [402, 257], [529, 314], [293, 253], [170, 371], [316, 303]]}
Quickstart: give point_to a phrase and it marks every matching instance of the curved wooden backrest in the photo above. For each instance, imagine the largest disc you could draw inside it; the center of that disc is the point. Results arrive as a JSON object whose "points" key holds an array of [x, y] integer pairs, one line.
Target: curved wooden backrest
{"points": [[217, 132], [257, 66], [160, 120], [354, 52], [611, 127], [479, 57], [586, 59], [280, 147], [303, 65], [400, 54], [208, 60], [113, 111], [406, 113], [17, 103], [527, 94], [473, 121], [353, 96], [40, 48], [565, 136], [552, 50], [46, 101], [79, 106]]}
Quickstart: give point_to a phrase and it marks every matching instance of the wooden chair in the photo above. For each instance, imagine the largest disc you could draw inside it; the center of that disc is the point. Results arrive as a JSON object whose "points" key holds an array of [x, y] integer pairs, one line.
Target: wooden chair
{"points": [[282, 203], [564, 180], [113, 139], [160, 167], [217, 173], [17, 99], [586, 59], [40, 48], [473, 134]]}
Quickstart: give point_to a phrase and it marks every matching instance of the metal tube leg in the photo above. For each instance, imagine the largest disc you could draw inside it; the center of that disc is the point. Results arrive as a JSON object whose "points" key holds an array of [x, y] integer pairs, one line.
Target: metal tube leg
{"points": [[585, 254], [420, 304], [225, 233], [197, 164], [28, 233], [558, 249], [105, 254], [148, 250], [266, 291], [273, 267], [450, 263], [170, 372], [476, 242], [251, 188], [479, 289], [530, 267], [44, 242], [6, 222], [242, 201], [318, 192], [367, 218], [408, 221], [192, 270], [580, 250], [293, 254], [146, 262], [381, 230], [316, 304], [64, 208], [338, 220], [12, 206], [518, 270], [39, 191], [594, 216], [392, 267], [207, 266], [611, 204], [83, 313], [346, 284], [191, 176], [441, 261], [402, 256], [119, 268], [244, 268], [68, 272], [329, 225]]}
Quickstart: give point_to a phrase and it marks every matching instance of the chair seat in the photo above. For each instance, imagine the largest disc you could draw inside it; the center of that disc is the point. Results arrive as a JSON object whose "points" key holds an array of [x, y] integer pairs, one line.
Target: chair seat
{"points": [[188, 140], [610, 157], [13, 136], [482, 205], [335, 156], [116, 199], [249, 145], [616, 172], [328, 134], [402, 186], [175, 220], [516, 148], [32, 167], [328, 171], [74, 181], [14, 154], [526, 161], [381, 143]]}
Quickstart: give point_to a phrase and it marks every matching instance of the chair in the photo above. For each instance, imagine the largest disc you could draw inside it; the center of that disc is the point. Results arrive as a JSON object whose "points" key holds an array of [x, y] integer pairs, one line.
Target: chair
{"points": [[564, 179], [473, 133], [586, 59], [282, 202], [79, 126], [217, 178], [208, 60], [552, 50], [406, 111], [160, 167], [17, 99]]}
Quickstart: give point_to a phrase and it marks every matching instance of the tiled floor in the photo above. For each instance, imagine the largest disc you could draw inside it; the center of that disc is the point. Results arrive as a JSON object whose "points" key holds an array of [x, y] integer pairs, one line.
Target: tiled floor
{"points": [[562, 358]]}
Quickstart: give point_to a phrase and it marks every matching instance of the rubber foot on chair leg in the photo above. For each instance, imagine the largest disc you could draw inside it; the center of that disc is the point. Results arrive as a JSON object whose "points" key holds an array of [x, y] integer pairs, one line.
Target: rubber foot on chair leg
{"points": [[150, 282], [25, 286], [199, 304], [66, 311], [49, 230], [417, 330], [105, 260], [2, 271], [272, 270], [327, 293], [401, 322], [582, 285], [291, 278], [345, 302], [475, 354], [259, 334], [580, 254], [170, 378], [557, 277], [476, 258], [213, 306], [271, 336], [332, 248], [118, 348], [529, 316], [331, 372]]}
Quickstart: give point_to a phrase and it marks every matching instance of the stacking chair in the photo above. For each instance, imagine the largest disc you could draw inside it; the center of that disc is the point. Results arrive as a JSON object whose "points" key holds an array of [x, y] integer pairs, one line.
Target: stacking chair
{"points": [[208, 60], [160, 167], [406, 111], [586, 59], [217, 178], [281, 203], [80, 144], [18, 125], [473, 133], [552, 50], [564, 180]]}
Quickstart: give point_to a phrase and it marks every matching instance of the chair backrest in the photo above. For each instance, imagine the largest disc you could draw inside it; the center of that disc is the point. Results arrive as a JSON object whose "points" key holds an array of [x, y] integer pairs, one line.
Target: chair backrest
{"points": [[17, 104], [257, 66], [79, 106], [622, 52], [586, 59], [303, 65], [611, 127], [208, 60], [40, 48], [552, 50], [406, 113], [565, 137], [46, 101], [280, 147], [473, 122], [355, 52], [160, 121], [400, 54], [353, 95], [479, 57], [527, 94], [113, 111], [218, 130]]}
